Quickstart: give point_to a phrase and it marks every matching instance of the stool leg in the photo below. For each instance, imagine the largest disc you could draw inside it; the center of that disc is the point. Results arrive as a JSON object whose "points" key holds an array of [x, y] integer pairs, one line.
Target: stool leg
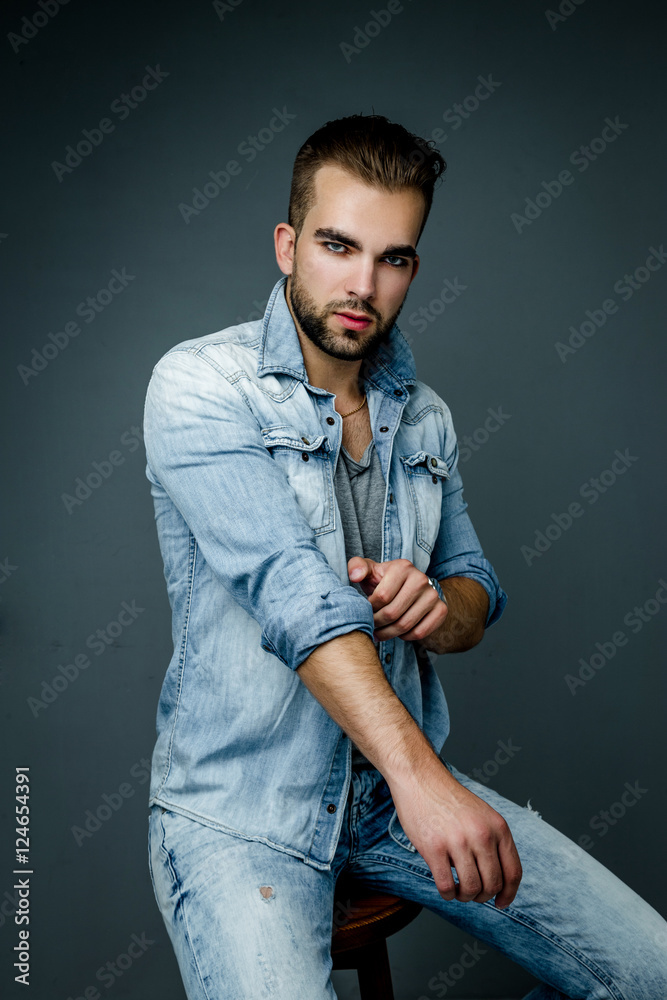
{"points": [[374, 972]]}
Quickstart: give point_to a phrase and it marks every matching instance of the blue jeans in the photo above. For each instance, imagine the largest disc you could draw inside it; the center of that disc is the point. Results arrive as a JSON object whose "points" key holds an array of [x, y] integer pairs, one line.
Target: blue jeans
{"points": [[248, 921]]}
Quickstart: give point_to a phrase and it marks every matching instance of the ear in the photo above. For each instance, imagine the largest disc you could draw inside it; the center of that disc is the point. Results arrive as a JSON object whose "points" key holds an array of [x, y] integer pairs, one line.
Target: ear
{"points": [[415, 268], [284, 238]]}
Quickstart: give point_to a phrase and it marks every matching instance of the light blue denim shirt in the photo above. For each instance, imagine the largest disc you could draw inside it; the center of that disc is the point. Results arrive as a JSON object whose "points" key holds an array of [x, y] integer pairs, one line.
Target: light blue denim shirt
{"points": [[241, 452]]}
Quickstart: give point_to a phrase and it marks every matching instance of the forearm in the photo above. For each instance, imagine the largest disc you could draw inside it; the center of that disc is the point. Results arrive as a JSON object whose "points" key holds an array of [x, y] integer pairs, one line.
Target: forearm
{"points": [[449, 825], [346, 677], [463, 628]]}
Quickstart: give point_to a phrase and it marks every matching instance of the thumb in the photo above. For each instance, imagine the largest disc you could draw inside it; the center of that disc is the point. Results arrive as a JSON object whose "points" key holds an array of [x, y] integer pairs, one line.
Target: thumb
{"points": [[358, 568]]}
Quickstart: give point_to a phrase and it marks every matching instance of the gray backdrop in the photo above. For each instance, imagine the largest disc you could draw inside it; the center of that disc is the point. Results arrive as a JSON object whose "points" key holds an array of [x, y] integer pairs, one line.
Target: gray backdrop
{"points": [[549, 225]]}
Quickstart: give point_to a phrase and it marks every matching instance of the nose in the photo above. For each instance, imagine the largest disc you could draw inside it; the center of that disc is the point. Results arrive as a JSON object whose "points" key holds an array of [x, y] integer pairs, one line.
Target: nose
{"points": [[360, 282]]}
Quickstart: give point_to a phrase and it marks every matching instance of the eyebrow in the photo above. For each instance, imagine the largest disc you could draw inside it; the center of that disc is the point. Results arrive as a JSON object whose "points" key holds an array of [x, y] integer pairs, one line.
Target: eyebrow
{"points": [[336, 236]]}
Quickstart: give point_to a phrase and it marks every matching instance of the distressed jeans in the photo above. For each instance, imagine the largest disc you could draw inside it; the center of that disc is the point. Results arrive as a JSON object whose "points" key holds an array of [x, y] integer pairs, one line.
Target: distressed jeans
{"points": [[247, 921]]}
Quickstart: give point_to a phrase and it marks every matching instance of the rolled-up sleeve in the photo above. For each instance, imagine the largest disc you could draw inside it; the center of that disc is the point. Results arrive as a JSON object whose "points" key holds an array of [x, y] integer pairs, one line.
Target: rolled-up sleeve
{"points": [[204, 446], [457, 551]]}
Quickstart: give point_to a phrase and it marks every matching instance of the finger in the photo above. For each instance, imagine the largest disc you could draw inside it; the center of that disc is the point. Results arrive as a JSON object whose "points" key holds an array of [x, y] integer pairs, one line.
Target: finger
{"points": [[400, 587], [445, 881], [364, 572], [358, 567], [415, 621], [512, 871], [491, 874], [432, 620], [470, 881]]}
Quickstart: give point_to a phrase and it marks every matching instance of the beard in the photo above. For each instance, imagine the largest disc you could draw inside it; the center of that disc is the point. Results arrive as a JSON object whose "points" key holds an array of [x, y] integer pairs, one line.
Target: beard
{"points": [[347, 345]]}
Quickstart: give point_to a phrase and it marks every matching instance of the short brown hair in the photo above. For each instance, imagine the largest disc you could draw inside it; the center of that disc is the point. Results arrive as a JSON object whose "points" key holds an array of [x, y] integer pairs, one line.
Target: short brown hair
{"points": [[372, 148]]}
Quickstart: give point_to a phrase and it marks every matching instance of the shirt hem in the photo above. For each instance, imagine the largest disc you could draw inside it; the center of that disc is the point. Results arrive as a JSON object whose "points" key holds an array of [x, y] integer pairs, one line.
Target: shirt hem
{"points": [[157, 800]]}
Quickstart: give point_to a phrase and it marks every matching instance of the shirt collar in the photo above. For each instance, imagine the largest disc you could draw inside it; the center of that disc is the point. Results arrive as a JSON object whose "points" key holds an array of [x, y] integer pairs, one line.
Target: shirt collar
{"points": [[391, 365]]}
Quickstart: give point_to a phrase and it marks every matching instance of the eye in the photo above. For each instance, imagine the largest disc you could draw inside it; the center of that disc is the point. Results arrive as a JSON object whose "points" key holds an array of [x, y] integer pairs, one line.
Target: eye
{"points": [[335, 252], [400, 261]]}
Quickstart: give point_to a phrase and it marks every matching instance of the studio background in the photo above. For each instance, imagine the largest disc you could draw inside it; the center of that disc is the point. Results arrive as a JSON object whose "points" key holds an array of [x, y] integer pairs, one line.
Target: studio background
{"points": [[544, 422]]}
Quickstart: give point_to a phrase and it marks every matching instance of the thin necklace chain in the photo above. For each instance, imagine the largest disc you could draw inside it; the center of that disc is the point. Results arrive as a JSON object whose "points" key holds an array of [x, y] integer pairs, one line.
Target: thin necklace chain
{"points": [[355, 409]]}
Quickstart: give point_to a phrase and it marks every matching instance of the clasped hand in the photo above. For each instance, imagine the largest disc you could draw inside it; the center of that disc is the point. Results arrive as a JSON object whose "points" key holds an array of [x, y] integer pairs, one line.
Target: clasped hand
{"points": [[403, 601]]}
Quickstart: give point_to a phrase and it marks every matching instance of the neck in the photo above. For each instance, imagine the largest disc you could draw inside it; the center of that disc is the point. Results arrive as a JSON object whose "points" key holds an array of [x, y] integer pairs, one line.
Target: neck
{"points": [[332, 374]]}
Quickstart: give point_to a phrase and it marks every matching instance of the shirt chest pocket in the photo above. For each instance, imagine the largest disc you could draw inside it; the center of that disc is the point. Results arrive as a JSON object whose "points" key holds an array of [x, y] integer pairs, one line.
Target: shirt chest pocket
{"points": [[425, 474], [306, 463]]}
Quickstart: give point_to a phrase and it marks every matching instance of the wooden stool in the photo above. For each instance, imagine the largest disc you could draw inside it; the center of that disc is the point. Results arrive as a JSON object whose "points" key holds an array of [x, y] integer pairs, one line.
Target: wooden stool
{"points": [[363, 920]]}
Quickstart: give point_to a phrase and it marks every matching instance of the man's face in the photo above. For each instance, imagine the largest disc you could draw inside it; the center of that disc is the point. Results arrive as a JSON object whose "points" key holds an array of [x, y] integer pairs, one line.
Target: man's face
{"points": [[355, 257]]}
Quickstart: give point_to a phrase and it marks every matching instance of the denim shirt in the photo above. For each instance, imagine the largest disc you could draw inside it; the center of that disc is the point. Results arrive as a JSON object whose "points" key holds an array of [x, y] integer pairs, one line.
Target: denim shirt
{"points": [[241, 451]]}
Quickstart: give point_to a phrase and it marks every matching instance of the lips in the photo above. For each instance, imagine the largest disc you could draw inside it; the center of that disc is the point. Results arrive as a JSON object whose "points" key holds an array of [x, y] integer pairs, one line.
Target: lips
{"points": [[354, 321]]}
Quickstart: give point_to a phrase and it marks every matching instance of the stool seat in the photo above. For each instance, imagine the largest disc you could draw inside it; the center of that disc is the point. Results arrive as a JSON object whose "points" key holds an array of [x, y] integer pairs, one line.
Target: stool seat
{"points": [[363, 920]]}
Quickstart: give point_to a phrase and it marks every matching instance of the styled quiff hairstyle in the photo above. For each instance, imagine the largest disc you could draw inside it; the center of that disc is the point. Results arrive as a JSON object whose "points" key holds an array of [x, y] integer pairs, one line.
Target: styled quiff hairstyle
{"points": [[377, 151]]}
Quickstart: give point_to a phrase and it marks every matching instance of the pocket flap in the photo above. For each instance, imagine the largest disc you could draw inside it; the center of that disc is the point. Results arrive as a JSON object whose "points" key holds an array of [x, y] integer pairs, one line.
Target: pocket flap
{"points": [[287, 436], [425, 463]]}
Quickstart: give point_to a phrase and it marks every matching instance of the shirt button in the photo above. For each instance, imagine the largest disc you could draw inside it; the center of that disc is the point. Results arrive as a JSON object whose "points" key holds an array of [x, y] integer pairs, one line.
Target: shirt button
{"points": [[387, 658], [398, 392], [305, 440], [384, 429], [434, 478], [434, 461], [330, 420], [304, 456], [331, 808]]}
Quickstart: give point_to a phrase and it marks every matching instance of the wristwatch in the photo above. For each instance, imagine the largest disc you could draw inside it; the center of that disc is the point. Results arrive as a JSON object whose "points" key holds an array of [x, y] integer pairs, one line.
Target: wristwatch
{"points": [[438, 589]]}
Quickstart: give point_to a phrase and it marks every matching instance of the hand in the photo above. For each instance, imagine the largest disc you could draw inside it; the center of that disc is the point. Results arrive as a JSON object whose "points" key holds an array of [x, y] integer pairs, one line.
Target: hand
{"points": [[404, 602], [452, 827]]}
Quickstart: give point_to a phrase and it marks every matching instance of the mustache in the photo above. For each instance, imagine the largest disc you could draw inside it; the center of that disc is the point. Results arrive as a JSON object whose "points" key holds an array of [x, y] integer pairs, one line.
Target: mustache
{"points": [[355, 307]]}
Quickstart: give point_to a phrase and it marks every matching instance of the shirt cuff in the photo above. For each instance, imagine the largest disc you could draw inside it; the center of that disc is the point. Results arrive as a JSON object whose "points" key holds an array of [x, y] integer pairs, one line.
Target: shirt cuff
{"points": [[334, 613], [484, 574]]}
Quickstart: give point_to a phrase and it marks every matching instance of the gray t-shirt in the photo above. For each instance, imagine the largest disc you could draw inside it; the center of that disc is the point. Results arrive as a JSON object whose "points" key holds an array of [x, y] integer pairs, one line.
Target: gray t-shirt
{"points": [[360, 490]]}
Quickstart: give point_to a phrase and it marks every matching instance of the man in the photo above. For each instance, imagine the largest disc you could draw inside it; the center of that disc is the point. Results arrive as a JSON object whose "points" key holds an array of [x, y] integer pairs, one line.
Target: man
{"points": [[316, 547]]}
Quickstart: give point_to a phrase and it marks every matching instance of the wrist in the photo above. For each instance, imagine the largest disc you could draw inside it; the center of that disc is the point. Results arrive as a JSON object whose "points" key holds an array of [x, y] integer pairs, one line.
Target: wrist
{"points": [[413, 761]]}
